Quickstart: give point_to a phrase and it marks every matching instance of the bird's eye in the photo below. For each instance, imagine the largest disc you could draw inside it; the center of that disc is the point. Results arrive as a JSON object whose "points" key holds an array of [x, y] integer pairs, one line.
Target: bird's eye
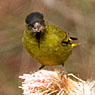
{"points": [[30, 27]]}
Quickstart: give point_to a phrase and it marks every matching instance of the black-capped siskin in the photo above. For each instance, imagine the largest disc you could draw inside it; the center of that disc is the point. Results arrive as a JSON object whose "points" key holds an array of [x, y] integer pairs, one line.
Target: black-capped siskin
{"points": [[46, 43]]}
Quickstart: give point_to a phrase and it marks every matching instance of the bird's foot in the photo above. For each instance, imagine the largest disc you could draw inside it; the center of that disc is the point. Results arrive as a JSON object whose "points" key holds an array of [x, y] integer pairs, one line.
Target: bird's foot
{"points": [[64, 73], [42, 66]]}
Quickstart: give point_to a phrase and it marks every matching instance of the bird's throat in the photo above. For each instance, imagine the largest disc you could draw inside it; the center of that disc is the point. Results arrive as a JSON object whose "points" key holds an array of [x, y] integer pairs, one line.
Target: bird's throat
{"points": [[38, 38]]}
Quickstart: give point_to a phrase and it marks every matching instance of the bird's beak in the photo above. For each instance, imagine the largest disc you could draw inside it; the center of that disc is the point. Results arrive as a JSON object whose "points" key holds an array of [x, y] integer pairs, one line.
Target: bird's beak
{"points": [[37, 27]]}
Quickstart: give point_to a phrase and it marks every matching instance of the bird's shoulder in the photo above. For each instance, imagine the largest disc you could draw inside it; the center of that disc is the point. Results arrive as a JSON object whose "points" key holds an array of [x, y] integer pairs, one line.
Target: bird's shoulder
{"points": [[54, 30]]}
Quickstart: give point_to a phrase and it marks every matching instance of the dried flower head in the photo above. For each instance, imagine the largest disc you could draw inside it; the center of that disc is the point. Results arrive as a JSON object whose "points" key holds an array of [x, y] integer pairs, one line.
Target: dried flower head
{"points": [[46, 82]]}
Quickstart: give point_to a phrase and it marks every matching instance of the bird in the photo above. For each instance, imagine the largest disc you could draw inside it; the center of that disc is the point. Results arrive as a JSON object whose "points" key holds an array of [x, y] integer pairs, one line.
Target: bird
{"points": [[46, 43]]}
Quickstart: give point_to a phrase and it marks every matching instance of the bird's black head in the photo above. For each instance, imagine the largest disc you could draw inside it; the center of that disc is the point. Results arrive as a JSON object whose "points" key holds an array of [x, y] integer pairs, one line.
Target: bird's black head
{"points": [[36, 25], [35, 22]]}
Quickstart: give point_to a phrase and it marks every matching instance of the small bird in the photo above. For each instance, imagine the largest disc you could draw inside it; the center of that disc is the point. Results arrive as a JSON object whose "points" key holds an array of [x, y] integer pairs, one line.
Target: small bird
{"points": [[46, 43]]}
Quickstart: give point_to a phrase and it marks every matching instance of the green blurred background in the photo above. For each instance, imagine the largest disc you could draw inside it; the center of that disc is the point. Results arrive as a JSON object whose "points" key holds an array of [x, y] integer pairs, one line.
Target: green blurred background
{"points": [[77, 17]]}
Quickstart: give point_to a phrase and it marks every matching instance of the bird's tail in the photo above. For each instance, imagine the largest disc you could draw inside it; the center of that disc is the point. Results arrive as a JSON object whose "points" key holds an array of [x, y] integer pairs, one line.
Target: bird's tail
{"points": [[74, 44]]}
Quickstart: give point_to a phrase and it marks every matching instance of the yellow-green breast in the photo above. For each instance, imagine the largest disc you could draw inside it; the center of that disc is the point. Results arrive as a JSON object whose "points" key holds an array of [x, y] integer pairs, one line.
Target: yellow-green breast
{"points": [[51, 51]]}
